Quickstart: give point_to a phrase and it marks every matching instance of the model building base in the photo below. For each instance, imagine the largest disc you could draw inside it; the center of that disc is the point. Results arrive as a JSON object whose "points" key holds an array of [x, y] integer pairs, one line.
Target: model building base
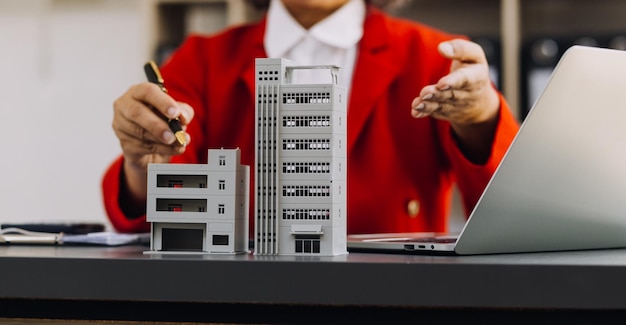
{"points": [[177, 238]]}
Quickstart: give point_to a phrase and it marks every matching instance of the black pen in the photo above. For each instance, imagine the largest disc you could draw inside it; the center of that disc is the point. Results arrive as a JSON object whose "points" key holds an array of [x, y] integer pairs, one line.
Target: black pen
{"points": [[154, 76]]}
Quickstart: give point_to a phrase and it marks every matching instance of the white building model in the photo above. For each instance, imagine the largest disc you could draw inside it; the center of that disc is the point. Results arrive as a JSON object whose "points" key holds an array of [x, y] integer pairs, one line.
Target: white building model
{"points": [[300, 177], [199, 208], [300, 172]]}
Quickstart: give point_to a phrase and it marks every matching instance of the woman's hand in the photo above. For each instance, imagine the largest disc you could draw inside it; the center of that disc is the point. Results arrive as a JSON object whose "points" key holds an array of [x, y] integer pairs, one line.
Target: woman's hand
{"points": [[465, 97], [140, 123]]}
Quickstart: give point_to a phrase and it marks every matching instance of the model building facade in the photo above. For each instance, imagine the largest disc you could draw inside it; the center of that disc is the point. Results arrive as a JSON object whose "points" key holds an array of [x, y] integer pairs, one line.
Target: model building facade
{"points": [[300, 171], [201, 208]]}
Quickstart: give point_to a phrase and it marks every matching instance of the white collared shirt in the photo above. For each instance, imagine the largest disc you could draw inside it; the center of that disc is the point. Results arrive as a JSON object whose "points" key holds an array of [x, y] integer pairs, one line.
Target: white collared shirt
{"points": [[332, 41]]}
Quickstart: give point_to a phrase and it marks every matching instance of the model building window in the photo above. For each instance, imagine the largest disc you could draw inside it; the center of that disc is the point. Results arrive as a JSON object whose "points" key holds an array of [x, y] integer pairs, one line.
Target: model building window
{"points": [[263, 75], [306, 214], [306, 190], [307, 244], [306, 98], [220, 240], [222, 185], [181, 181], [220, 209], [306, 144], [180, 205], [306, 167], [222, 160], [306, 121]]}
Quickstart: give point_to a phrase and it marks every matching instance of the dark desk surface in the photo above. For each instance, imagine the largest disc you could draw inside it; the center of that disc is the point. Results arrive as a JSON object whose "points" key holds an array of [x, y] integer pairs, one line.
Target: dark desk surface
{"points": [[566, 281]]}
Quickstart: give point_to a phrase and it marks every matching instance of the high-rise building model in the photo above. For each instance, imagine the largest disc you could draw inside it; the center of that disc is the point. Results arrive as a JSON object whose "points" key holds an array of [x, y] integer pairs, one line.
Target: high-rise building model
{"points": [[199, 208], [300, 172]]}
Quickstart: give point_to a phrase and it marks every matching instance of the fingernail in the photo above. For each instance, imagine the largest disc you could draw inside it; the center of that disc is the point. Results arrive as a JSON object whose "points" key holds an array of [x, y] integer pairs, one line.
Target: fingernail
{"points": [[446, 87], [428, 97], [419, 107], [172, 112], [446, 48], [169, 137], [419, 115]]}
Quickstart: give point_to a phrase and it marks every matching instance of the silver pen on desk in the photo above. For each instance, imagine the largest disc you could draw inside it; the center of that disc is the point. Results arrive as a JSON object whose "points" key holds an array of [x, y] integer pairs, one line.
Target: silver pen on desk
{"points": [[21, 236]]}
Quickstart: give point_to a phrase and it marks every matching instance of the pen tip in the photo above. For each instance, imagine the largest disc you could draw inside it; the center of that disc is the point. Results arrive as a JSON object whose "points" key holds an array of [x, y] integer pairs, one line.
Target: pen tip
{"points": [[180, 136]]}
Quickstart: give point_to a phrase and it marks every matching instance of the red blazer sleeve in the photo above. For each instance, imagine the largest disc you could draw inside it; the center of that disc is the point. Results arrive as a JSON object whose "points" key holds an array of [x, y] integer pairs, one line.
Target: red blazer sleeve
{"points": [[472, 178], [111, 195]]}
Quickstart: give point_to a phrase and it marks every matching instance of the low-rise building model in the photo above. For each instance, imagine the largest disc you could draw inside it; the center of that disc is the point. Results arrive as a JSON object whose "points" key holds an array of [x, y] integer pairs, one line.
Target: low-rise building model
{"points": [[199, 208]]}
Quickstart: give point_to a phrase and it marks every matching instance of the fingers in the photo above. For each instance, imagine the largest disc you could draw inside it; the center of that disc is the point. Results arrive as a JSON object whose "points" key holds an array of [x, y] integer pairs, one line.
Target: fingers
{"points": [[467, 78], [152, 95], [135, 148], [139, 121], [463, 51], [137, 113], [439, 101], [469, 67], [186, 114], [462, 90], [132, 132]]}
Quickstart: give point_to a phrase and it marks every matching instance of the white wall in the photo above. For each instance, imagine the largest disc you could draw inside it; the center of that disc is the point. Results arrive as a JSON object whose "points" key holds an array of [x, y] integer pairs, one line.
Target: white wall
{"points": [[62, 64]]}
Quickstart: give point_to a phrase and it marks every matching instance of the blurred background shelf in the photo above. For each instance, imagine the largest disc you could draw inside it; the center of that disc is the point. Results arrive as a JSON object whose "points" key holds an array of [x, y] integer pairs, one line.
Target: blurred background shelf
{"points": [[522, 39], [64, 62]]}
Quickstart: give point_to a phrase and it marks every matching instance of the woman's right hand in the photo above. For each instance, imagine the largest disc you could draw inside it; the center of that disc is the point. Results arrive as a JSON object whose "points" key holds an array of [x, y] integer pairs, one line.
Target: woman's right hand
{"points": [[139, 121]]}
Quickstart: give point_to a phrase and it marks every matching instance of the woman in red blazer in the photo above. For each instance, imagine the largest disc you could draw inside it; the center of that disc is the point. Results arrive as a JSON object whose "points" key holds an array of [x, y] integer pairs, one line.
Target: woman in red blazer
{"points": [[422, 116]]}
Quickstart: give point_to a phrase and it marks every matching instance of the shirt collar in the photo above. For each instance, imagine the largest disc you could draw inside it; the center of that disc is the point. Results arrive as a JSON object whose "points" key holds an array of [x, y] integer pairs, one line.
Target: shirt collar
{"points": [[342, 29]]}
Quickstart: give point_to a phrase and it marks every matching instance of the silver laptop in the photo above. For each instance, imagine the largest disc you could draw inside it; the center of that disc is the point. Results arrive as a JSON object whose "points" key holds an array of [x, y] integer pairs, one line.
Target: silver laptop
{"points": [[562, 184]]}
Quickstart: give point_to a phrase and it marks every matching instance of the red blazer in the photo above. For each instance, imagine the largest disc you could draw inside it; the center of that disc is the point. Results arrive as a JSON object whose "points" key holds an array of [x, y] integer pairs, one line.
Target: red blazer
{"points": [[400, 169]]}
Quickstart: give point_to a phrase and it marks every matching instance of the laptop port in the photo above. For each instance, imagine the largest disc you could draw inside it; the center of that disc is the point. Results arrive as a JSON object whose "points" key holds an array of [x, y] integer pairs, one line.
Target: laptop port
{"points": [[409, 247]]}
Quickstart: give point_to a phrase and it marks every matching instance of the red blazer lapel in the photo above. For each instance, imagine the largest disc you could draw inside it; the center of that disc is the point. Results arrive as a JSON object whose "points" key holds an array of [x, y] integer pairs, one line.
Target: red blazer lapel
{"points": [[375, 69]]}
